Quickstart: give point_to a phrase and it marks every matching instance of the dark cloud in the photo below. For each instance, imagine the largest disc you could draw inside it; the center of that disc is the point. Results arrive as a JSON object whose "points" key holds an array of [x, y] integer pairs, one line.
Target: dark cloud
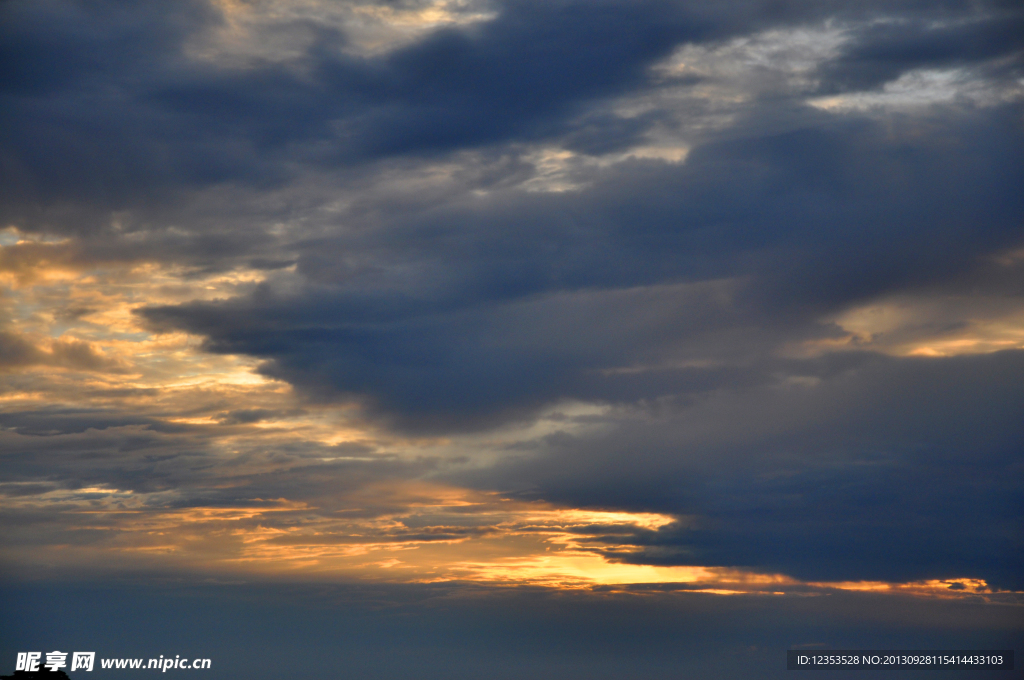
{"points": [[104, 107], [109, 112], [458, 89], [204, 248], [883, 52], [883, 469], [57, 422], [503, 305], [74, 132], [602, 134], [17, 351], [247, 416], [151, 467]]}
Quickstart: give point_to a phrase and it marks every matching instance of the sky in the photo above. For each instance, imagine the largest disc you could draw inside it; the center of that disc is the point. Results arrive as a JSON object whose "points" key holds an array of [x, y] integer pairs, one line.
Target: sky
{"points": [[511, 338]]}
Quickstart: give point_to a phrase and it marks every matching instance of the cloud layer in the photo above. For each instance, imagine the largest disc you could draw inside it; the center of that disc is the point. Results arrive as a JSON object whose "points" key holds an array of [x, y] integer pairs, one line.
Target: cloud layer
{"points": [[294, 274]]}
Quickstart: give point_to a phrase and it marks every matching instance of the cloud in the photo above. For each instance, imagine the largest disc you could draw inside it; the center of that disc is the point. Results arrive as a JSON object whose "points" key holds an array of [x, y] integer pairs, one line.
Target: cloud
{"points": [[877, 469], [617, 258], [519, 300], [108, 90], [137, 120], [17, 351], [881, 53]]}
